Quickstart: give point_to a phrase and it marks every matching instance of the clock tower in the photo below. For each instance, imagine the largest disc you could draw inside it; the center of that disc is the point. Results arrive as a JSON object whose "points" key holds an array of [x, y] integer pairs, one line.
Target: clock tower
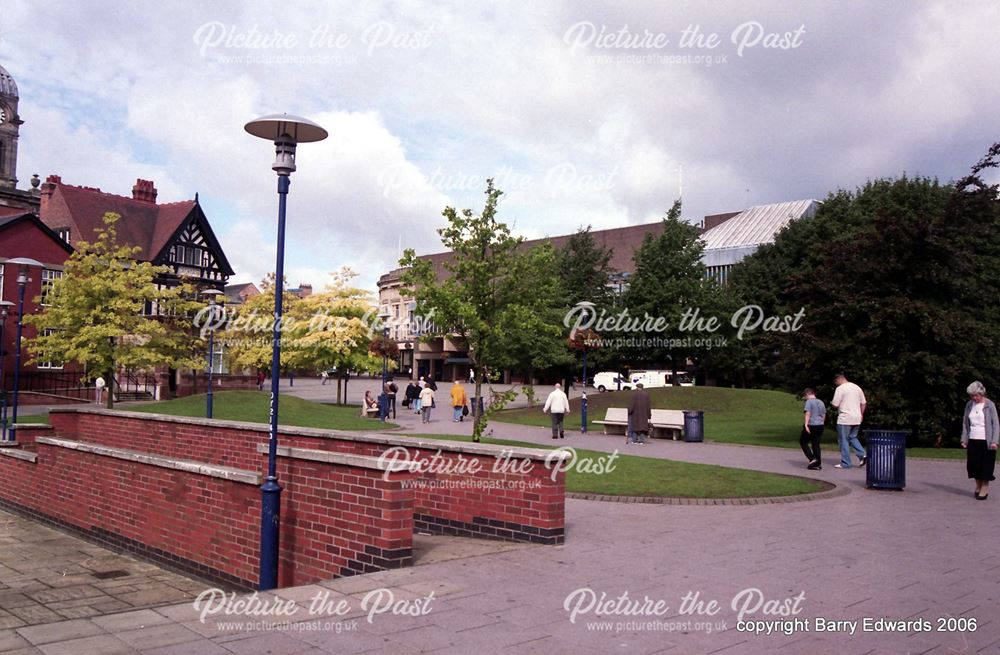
{"points": [[9, 124]]}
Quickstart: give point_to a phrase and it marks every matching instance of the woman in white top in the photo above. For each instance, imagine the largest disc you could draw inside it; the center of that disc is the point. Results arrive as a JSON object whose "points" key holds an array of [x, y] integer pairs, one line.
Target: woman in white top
{"points": [[980, 433]]}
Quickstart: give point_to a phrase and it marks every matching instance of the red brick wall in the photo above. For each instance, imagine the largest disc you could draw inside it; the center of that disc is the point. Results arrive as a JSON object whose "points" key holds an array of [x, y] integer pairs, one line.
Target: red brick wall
{"points": [[496, 504], [336, 519]]}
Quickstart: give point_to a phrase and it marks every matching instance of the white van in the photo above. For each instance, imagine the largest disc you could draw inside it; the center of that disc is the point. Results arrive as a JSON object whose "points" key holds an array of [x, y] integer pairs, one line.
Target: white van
{"points": [[608, 381], [653, 379]]}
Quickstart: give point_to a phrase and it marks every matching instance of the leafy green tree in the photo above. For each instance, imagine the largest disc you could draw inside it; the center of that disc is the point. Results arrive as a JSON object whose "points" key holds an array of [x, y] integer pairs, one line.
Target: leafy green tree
{"points": [[669, 280], [585, 269], [248, 330], [898, 282], [331, 329], [490, 286], [95, 313]]}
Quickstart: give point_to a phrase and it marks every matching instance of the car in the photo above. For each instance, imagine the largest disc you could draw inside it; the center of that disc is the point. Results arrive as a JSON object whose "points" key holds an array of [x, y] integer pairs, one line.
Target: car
{"points": [[609, 381], [653, 379]]}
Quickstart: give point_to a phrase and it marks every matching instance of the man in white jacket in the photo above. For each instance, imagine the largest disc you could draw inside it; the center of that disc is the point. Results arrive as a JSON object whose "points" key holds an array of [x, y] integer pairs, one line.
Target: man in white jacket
{"points": [[558, 405]]}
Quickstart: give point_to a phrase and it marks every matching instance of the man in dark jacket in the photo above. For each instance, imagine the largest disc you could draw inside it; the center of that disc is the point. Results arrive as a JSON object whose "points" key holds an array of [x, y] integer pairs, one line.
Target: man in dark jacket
{"points": [[640, 410]]}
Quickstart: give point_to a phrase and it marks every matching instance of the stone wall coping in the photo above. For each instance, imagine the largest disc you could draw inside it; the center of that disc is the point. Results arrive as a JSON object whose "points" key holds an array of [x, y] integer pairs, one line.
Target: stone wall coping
{"points": [[187, 465], [332, 457], [490, 450], [30, 426], [17, 453]]}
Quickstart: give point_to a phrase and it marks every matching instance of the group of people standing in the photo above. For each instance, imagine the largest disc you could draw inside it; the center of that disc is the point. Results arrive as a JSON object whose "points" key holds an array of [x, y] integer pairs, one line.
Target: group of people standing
{"points": [[420, 398], [980, 430]]}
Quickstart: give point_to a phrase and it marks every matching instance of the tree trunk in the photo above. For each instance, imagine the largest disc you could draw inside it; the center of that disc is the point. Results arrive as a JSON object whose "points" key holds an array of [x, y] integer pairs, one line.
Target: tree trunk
{"points": [[110, 388], [476, 402]]}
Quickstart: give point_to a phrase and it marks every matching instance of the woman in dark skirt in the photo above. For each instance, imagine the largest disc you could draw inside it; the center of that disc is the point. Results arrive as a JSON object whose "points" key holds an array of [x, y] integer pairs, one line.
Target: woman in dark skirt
{"points": [[980, 432]]}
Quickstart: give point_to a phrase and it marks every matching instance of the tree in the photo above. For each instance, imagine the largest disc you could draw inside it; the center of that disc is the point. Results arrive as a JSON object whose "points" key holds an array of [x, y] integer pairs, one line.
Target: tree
{"points": [[585, 269], [485, 293], [95, 313], [898, 281], [669, 280], [248, 330], [331, 329]]}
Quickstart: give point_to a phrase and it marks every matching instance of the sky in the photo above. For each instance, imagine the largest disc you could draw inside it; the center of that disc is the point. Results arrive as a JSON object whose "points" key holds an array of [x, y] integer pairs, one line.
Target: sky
{"points": [[585, 113]]}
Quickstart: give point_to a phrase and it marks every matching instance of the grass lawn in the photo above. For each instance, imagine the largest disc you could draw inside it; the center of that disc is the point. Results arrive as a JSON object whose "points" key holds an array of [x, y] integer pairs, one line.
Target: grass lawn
{"points": [[645, 476], [32, 418], [254, 406], [742, 416]]}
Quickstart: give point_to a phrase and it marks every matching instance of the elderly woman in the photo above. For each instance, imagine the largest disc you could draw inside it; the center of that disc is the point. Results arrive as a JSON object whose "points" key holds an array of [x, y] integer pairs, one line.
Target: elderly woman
{"points": [[980, 432]]}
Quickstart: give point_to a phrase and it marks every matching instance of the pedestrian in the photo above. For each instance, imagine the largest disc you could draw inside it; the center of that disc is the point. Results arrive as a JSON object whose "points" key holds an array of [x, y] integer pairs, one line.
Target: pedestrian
{"points": [[472, 376], [432, 384], [411, 394], [369, 403], [458, 400], [558, 405], [640, 411], [426, 404], [980, 432], [260, 380], [850, 402], [324, 376], [416, 403], [390, 389], [814, 419]]}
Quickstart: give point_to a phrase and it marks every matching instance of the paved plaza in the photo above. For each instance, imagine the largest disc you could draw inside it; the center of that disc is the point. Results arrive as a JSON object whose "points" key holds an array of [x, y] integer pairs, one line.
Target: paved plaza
{"points": [[925, 553]]}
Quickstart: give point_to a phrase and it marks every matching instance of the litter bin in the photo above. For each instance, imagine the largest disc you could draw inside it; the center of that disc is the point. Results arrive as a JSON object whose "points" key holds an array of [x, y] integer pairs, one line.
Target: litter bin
{"points": [[694, 425], [473, 404], [886, 459]]}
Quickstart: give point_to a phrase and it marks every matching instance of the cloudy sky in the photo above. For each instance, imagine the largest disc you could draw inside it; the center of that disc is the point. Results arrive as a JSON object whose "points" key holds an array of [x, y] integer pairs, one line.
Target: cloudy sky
{"points": [[586, 113]]}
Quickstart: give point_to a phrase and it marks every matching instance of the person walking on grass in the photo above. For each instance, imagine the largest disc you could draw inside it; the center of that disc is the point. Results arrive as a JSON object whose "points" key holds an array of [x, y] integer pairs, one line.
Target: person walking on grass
{"points": [[640, 411], [850, 402], [426, 404], [812, 429], [980, 433], [557, 404], [458, 400]]}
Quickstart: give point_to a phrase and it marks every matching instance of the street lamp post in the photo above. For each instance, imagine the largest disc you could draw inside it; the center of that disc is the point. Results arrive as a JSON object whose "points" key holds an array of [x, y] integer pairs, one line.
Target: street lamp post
{"points": [[383, 399], [213, 296], [22, 282], [4, 304], [286, 132], [586, 305]]}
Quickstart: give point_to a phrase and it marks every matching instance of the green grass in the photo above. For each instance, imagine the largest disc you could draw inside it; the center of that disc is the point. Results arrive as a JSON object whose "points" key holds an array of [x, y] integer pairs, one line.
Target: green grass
{"points": [[645, 476], [32, 418], [753, 417], [254, 406]]}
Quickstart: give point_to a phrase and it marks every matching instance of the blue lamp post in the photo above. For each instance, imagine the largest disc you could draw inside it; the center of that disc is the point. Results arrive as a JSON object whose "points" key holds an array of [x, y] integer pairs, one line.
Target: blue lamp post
{"points": [[583, 398], [4, 305], [383, 399], [22, 282], [286, 132], [214, 306]]}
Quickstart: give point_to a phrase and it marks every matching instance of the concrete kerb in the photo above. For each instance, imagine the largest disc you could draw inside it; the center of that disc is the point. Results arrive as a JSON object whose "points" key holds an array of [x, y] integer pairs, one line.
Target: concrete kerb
{"points": [[832, 491]]}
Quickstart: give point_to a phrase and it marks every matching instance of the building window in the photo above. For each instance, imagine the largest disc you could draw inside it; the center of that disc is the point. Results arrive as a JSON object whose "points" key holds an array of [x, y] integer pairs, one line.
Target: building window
{"points": [[64, 234], [1, 281], [218, 350], [49, 365], [189, 255], [48, 277]]}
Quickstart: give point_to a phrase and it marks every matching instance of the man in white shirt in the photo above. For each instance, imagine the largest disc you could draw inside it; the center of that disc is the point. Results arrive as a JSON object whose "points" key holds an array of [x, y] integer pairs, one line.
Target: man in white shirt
{"points": [[850, 402], [558, 405]]}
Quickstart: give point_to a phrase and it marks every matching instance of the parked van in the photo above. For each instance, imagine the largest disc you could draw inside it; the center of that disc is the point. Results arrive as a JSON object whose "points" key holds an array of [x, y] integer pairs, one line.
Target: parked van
{"points": [[653, 379], [608, 381]]}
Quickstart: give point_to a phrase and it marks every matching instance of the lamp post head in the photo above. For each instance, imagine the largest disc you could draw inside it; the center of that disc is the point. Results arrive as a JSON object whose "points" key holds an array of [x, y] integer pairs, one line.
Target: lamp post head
{"points": [[24, 262], [213, 296], [286, 131], [4, 304]]}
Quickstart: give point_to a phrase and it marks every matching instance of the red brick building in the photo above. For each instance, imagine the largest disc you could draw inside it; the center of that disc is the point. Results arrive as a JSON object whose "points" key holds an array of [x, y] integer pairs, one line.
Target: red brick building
{"points": [[22, 234]]}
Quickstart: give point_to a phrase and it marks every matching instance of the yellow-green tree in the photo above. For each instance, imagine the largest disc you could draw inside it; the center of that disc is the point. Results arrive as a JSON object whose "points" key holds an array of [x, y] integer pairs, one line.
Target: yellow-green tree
{"points": [[96, 313]]}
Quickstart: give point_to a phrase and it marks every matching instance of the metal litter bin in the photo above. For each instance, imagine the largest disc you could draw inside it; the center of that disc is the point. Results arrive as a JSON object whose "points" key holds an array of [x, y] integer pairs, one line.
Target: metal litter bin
{"points": [[473, 404], [694, 425], [886, 459]]}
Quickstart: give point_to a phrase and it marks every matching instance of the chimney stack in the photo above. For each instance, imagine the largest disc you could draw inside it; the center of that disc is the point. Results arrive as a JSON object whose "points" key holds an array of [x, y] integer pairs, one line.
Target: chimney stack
{"points": [[305, 290], [144, 191]]}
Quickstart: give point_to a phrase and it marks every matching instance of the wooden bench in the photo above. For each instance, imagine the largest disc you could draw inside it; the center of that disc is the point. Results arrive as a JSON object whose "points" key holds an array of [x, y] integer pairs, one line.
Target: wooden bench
{"points": [[668, 421], [616, 417], [371, 412]]}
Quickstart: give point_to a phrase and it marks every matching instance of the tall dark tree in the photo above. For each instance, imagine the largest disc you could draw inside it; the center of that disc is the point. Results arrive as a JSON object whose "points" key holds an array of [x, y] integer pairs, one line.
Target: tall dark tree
{"points": [[899, 284], [585, 270], [669, 280]]}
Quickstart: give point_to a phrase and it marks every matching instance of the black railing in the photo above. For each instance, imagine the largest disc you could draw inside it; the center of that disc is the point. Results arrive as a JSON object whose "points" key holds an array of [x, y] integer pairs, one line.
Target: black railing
{"points": [[55, 383]]}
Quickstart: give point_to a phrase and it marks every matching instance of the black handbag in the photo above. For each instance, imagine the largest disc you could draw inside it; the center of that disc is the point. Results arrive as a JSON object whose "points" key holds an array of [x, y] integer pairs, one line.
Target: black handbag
{"points": [[465, 410]]}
